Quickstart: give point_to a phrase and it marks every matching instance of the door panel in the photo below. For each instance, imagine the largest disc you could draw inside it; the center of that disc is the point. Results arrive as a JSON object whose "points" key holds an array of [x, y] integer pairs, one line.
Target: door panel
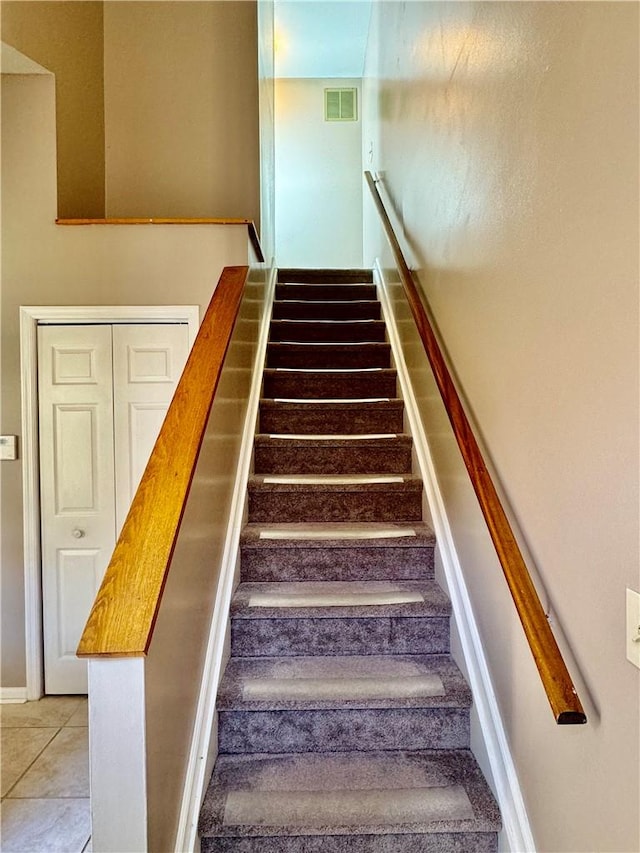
{"points": [[77, 488], [75, 437], [79, 575], [147, 364]]}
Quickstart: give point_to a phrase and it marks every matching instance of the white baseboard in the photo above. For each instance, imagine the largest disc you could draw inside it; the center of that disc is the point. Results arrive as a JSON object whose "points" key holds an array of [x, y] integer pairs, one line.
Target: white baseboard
{"points": [[516, 826], [202, 752], [12, 695]]}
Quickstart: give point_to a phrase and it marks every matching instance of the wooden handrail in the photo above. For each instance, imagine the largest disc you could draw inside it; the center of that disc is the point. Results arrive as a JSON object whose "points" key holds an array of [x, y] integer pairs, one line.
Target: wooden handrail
{"points": [[554, 674], [249, 223], [123, 616]]}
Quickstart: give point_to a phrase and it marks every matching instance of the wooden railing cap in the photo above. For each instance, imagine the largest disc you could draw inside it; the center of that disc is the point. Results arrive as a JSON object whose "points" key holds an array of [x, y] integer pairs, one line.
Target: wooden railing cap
{"points": [[249, 223]]}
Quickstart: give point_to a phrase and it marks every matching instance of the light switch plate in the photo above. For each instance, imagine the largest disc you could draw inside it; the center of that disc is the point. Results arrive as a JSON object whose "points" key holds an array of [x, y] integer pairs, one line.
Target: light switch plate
{"points": [[633, 627], [8, 447]]}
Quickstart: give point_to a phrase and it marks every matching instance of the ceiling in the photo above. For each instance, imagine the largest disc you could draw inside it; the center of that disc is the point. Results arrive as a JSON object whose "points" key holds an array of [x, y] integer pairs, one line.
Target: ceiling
{"points": [[321, 38]]}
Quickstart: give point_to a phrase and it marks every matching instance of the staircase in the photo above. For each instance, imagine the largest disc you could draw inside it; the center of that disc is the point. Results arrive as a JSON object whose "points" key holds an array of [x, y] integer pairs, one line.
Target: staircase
{"points": [[343, 721]]}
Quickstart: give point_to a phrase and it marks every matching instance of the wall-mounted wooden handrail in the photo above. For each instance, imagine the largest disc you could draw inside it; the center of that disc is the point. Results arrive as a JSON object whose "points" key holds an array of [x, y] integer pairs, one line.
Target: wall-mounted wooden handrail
{"points": [[249, 223], [554, 674], [122, 618]]}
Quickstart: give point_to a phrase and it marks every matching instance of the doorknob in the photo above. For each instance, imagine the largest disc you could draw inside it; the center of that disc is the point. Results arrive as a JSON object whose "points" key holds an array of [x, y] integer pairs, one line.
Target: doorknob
{"points": [[77, 533]]}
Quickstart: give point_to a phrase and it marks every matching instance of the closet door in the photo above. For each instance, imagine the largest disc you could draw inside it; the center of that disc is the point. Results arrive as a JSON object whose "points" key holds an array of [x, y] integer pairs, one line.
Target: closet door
{"points": [[76, 489], [103, 394]]}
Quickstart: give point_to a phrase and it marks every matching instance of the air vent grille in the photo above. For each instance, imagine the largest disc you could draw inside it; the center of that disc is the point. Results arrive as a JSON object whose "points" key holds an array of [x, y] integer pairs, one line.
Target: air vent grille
{"points": [[340, 104]]}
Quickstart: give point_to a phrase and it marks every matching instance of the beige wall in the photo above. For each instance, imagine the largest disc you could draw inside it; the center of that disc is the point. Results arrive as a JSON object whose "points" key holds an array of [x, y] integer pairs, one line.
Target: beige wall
{"points": [[157, 104], [181, 109], [318, 177], [507, 135], [45, 264], [67, 39]]}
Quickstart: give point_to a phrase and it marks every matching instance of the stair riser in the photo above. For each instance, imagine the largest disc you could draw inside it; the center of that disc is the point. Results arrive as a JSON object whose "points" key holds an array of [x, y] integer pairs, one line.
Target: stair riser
{"points": [[308, 458], [335, 636], [323, 292], [342, 730], [267, 506], [325, 276], [301, 310], [290, 330], [440, 842], [328, 356], [307, 419], [272, 565], [338, 386]]}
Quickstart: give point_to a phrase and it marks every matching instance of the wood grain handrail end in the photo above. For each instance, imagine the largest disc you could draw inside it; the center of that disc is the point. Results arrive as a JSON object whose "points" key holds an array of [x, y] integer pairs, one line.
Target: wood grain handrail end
{"points": [[96, 653], [571, 718]]}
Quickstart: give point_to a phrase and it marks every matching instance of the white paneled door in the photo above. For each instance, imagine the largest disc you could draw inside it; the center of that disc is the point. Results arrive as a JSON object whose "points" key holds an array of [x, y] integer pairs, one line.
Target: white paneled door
{"points": [[103, 394]]}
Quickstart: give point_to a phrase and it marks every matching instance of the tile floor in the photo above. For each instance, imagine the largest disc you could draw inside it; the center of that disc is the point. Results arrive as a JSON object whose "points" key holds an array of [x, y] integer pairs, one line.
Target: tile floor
{"points": [[44, 776]]}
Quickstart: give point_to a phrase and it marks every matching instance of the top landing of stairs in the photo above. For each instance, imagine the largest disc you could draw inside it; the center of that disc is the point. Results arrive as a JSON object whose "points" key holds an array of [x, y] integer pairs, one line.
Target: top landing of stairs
{"points": [[324, 276]]}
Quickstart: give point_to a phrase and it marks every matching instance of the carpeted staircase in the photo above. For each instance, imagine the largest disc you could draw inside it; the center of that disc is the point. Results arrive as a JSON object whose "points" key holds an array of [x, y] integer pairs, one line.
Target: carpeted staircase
{"points": [[343, 721]]}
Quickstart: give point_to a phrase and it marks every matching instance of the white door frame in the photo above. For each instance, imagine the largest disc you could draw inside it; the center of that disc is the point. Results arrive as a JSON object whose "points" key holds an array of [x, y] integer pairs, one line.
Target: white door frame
{"points": [[30, 317]]}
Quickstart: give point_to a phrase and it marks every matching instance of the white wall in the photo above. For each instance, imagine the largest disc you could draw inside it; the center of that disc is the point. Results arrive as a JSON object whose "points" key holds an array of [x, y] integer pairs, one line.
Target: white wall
{"points": [[318, 178], [507, 135]]}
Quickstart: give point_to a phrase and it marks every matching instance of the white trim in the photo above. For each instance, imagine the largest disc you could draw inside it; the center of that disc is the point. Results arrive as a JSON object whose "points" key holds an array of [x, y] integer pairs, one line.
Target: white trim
{"points": [[515, 820], [30, 317], [202, 754], [12, 695], [31, 505], [86, 314], [118, 754]]}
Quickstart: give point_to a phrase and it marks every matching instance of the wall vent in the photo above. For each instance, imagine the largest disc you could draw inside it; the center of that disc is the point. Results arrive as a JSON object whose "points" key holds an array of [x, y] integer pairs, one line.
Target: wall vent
{"points": [[340, 104]]}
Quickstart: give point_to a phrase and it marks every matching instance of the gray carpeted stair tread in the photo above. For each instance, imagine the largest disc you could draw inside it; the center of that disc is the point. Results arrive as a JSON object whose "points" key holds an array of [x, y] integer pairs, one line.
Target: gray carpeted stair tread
{"points": [[390, 453], [354, 536], [326, 292], [328, 356], [372, 482], [279, 552], [301, 309], [329, 440], [327, 330], [335, 634], [321, 497], [339, 600], [332, 384], [440, 842], [359, 702], [351, 793], [311, 275], [343, 682], [316, 416], [339, 618]]}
